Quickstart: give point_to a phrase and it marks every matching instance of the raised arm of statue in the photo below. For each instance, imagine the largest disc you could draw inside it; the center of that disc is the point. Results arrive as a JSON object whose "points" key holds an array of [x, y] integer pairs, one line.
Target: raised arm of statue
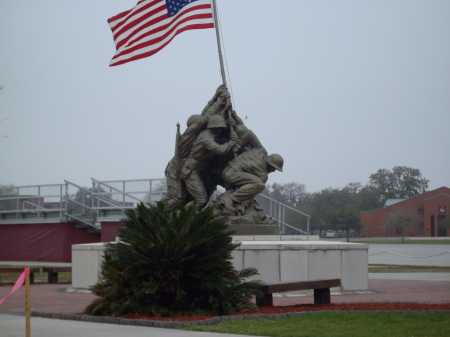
{"points": [[220, 90], [216, 108], [236, 118]]}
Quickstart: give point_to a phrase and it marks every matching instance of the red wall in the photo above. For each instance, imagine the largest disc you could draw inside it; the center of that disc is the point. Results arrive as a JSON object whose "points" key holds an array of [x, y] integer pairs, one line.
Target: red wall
{"points": [[374, 223], [110, 231], [42, 242]]}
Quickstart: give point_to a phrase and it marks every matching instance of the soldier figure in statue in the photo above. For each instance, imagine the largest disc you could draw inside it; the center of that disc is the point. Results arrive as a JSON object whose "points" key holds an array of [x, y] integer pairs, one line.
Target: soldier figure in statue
{"points": [[195, 170], [217, 149], [175, 188], [246, 176]]}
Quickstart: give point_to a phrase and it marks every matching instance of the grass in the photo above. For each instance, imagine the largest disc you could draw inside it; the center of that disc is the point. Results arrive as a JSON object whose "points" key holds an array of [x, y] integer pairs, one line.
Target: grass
{"points": [[407, 242], [41, 277], [391, 268], [329, 324]]}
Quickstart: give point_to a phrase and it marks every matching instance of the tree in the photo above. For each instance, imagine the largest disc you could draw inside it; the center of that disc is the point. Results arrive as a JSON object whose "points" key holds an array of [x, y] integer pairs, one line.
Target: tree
{"points": [[334, 208], [369, 199], [400, 220], [6, 192], [169, 263], [160, 189], [85, 196], [401, 182], [292, 193], [346, 218]]}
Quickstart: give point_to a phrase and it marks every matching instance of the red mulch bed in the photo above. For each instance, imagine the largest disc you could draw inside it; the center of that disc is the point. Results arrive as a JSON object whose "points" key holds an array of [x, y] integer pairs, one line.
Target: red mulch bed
{"points": [[307, 307]]}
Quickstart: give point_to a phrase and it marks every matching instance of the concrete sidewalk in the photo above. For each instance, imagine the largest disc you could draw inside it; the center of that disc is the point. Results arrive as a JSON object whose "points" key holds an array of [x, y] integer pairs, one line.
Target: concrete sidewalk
{"points": [[14, 326]]}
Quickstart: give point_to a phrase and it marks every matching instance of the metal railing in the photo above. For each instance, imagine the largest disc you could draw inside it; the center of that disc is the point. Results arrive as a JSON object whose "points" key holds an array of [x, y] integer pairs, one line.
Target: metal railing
{"points": [[73, 203], [290, 220], [37, 201], [113, 197], [108, 200], [78, 206]]}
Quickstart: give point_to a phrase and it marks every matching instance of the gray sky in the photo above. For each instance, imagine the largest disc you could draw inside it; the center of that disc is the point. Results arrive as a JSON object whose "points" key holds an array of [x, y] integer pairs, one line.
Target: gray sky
{"points": [[339, 88]]}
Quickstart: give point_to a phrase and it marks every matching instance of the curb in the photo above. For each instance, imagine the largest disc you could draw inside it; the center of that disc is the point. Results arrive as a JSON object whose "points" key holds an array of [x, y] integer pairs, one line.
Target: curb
{"points": [[209, 321]]}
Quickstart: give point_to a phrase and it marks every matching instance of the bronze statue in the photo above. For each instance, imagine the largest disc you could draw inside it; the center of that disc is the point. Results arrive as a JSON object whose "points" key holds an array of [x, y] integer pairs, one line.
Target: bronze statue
{"points": [[195, 169], [217, 149], [247, 175]]}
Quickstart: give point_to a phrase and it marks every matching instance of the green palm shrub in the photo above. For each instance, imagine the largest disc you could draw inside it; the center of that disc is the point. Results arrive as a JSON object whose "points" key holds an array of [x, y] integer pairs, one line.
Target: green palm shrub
{"points": [[172, 263]]}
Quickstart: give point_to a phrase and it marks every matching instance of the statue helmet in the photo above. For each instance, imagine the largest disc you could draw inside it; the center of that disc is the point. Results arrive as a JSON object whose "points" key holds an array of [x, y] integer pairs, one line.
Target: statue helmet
{"points": [[192, 119], [216, 121], [275, 160]]}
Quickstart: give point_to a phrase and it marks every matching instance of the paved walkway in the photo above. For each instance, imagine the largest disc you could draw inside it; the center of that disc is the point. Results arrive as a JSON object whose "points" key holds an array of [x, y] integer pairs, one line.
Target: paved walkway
{"points": [[14, 326], [54, 298]]}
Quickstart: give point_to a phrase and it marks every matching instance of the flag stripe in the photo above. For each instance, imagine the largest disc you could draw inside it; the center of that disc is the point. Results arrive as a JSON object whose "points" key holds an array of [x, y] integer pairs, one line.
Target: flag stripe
{"points": [[168, 35], [149, 20], [154, 51], [158, 26], [136, 19], [119, 19], [147, 28], [155, 43]]}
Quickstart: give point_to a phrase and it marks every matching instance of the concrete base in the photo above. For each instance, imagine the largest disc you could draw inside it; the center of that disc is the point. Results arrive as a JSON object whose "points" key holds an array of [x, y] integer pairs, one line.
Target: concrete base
{"points": [[255, 229], [276, 260]]}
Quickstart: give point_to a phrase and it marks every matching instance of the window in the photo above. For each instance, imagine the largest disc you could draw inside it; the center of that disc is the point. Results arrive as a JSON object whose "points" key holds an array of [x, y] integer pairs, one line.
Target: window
{"points": [[420, 229]]}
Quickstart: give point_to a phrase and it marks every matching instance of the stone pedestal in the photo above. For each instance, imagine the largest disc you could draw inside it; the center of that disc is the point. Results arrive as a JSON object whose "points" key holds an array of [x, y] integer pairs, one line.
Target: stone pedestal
{"points": [[255, 229], [277, 258]]}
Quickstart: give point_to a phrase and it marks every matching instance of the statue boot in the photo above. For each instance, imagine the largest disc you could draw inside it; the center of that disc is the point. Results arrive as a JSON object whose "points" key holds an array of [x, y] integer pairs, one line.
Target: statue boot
{"points": [[227, 202], [240, 209]]}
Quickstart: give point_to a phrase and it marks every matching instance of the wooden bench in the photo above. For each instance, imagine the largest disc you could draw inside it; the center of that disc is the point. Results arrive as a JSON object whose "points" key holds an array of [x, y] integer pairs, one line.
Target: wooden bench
{"points": [[20, 270], [321, 290], [53, 273]]}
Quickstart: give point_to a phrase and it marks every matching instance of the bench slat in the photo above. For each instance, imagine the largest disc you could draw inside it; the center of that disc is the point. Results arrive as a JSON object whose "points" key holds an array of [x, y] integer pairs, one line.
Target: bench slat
{"points": [[57, 269], [301, 285], [321, 290]]}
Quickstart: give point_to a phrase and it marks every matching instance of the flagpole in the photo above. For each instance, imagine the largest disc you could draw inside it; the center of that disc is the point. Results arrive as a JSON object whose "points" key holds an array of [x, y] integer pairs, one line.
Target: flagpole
{"points": [[216, 24], [27, 303], [222, 68]]}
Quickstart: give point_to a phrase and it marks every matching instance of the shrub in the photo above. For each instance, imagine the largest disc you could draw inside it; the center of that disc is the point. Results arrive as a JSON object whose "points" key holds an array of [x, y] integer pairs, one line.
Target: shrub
{"points": [[172, 263]]}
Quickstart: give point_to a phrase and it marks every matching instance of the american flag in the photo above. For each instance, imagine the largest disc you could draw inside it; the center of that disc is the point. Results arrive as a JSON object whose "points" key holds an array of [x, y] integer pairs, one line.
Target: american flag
{"points": [[152, 24]]}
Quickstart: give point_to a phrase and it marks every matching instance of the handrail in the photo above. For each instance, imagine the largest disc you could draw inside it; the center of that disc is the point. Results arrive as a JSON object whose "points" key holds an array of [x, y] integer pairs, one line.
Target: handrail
{"points": [[30, 196], [279, 213], [129, 180], [37, 206], [116, 189], [80, 203], [92, 225], [284, 205]]}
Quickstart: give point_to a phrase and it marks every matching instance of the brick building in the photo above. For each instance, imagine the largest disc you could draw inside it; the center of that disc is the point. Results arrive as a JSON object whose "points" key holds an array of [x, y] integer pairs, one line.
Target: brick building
{"points": [[431, 207]]}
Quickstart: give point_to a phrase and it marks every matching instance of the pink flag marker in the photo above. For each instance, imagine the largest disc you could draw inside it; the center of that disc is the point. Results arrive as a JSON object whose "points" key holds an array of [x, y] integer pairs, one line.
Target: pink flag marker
{"points": [[18, 284]]}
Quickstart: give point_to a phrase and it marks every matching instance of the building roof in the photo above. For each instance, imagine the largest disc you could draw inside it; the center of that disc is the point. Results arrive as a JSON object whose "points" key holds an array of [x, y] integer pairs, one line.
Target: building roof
{"points": [[438, 195], [390, 202]]}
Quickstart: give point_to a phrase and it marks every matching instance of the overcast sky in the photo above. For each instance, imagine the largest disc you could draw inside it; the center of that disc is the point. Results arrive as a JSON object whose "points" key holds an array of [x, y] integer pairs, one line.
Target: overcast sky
{"points": [[339, 88]]}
